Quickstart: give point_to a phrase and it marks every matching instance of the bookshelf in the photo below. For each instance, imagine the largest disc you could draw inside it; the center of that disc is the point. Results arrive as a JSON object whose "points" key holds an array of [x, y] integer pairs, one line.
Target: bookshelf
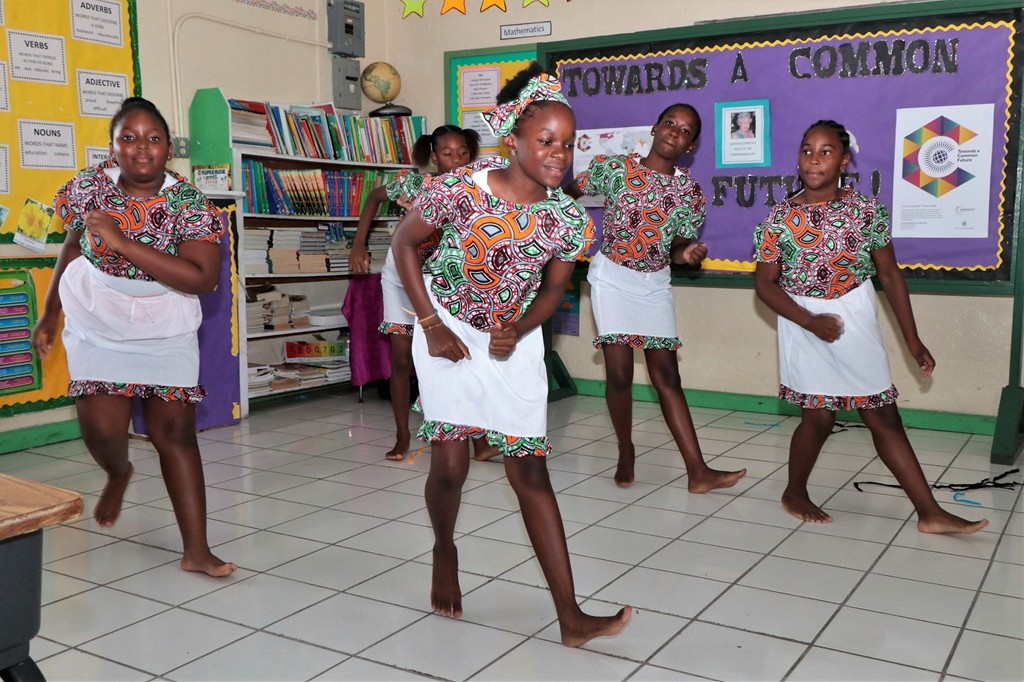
{"points": [[302, 179]]}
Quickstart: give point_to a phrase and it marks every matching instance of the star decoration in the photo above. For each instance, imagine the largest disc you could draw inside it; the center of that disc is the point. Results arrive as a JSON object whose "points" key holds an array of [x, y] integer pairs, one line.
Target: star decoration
{"points": [[458, 5], [487, 4], [527, 3], [413, 7]]}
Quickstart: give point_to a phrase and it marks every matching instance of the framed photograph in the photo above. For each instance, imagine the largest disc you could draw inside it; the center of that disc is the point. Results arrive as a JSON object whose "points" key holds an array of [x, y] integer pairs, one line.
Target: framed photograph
{"points": [[742, 134]]}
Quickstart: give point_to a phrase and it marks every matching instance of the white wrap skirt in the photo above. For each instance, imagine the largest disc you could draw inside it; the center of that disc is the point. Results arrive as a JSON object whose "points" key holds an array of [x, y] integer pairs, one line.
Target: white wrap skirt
{"points": [[128, 331], [628, 303], [505, 395], [833, 375], [396, 302]]}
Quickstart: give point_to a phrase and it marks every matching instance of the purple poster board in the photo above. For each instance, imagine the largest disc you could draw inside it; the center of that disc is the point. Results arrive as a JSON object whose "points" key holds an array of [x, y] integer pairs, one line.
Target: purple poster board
{"points": [[928, 102], [218, 339]]}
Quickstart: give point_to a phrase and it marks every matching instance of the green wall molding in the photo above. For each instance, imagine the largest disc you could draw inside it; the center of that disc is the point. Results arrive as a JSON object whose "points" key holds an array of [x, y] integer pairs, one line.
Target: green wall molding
{"points": [[36, 436], [918, 419]]}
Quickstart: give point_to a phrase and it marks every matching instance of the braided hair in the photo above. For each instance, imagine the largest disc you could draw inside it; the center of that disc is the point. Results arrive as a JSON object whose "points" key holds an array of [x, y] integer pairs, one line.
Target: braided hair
{"points": [[838, 128], [844, 139]]}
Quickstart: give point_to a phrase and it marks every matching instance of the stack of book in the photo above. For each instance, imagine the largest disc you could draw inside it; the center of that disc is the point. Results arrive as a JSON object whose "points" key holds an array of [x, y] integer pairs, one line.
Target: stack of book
{"points": [[337, 248], [253, 317], [313, 251], [260, 377], [254, 255], [255, 297], [283, 383], [283, 251], [277, 310], [283, 261], [249, 124], [327, 316], [337, 371], [303, 375], [285, 238], [377, 244], [337, 257]]}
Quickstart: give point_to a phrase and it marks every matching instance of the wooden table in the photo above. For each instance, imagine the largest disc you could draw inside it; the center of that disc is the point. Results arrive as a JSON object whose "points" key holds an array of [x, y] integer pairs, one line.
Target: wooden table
{"points": [[26, 507]]}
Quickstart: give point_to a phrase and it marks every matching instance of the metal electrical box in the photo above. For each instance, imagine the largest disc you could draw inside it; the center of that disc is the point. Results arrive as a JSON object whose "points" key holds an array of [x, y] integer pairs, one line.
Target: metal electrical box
{"points": [[345, 84], [345, 27]]}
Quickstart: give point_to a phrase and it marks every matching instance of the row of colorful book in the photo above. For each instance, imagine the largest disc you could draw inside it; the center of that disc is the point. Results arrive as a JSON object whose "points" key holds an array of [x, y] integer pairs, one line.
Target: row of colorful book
{"points": [[317, 131], [311, 191]]}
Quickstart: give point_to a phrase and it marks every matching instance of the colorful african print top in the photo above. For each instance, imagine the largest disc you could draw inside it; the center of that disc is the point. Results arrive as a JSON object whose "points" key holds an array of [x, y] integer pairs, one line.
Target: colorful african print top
{"points": [[410, 184], [406, 184], [178, 213], [644, 210], [488, 267], [825, 248]]}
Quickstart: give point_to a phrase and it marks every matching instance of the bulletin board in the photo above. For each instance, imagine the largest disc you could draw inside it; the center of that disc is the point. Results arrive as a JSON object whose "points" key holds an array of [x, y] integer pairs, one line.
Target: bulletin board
{"points": [[473, 79], [929, 91], [65, 68]]}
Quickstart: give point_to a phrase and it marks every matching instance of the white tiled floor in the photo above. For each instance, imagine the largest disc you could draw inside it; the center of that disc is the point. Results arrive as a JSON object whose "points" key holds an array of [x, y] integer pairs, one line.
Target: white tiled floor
{"points": [[334, 547]]}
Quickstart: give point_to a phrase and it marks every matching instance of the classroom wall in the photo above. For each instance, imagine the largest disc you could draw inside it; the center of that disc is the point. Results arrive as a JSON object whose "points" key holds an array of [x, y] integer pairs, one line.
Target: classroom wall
{"points": [[247, 50], [253, 52]]}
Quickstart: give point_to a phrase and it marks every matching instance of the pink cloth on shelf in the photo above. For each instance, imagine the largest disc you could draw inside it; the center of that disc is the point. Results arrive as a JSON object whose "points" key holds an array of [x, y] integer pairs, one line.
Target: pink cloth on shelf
{"points": [[369, 350]]}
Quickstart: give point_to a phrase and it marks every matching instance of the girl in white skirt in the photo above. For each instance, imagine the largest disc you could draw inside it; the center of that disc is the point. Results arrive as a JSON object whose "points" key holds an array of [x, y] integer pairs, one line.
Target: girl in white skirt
{"points": [[509, 242], [142, 244], [448, 147], [653, 212], [816, 253]]}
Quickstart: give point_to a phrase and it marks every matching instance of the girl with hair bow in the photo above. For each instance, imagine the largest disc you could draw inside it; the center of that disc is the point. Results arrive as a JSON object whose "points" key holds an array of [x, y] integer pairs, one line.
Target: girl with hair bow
{"points": [[509, 241]]}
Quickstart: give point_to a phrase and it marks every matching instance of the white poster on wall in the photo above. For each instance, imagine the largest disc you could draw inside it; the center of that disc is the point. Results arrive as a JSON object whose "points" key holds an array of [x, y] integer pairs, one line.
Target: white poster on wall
{"points": [[94, 156], [37, 57], [97, 21], [46, 144], [5, 169], [942, 171], [100, 93], [479, 86], [5, 100]]}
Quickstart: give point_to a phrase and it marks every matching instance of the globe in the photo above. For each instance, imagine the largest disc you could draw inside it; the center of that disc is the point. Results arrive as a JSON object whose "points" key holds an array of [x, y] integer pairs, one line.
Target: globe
{"points": [[380, 82]]}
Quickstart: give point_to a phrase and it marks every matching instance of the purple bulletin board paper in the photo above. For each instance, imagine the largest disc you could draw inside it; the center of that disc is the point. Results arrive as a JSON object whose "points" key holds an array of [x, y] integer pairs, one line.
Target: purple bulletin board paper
{"points": [[861, 79]]}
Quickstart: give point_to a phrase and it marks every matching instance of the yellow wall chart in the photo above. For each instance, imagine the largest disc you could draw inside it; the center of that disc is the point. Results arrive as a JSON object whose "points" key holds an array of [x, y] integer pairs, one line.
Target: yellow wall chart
{"points": [[65, 67]]}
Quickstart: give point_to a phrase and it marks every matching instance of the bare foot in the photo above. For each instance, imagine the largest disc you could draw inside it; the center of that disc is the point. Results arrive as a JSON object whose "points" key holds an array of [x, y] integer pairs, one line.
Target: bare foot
{"points": [[624, 475], [944, 522], [397, 453], [712, 479], [589, 627], [109, 507], [208, 564], [483, 451], [445, 593], [800, 506]]}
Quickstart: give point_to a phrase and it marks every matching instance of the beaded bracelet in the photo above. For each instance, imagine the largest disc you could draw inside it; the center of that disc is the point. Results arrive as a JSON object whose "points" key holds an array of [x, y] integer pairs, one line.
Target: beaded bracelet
{"points": [[433, 326]]}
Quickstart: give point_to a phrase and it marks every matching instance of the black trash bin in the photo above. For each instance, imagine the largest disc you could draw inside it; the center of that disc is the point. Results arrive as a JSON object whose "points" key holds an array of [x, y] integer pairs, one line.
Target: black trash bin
{"points": [[21, 598]]}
